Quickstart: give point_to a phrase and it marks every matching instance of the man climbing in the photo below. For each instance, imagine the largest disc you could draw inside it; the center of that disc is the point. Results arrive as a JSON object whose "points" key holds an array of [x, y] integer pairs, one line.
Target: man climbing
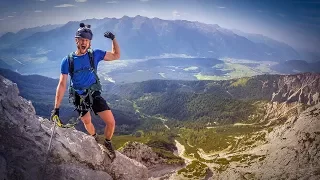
{"points": [[85, 88]]}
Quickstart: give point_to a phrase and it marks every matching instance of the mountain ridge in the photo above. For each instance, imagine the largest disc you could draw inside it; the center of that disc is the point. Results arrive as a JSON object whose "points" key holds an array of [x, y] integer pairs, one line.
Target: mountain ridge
{"points": [[141, 37]]}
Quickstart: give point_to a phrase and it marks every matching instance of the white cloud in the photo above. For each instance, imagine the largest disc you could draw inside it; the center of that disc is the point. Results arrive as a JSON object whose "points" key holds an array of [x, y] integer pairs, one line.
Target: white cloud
{"points": [[37, 11], [175, 14], [112, 2], [221, 7], [81, 0], [1, 19], [10, 16], [64, 5], [144, 0], [14, 12]]}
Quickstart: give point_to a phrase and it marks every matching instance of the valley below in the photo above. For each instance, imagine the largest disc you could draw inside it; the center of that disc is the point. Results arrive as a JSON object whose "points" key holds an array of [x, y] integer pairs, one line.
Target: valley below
{"points": [[243, 145], [242, 151], [129, 71]]}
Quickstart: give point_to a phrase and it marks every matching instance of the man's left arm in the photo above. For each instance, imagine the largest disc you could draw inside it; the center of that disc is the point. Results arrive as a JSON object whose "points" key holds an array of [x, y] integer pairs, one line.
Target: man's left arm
{"points": [[115, 53]]}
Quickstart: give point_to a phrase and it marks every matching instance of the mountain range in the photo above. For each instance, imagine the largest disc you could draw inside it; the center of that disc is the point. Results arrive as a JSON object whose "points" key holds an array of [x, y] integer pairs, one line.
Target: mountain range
{"points": [[10, 37], [41, 49]]}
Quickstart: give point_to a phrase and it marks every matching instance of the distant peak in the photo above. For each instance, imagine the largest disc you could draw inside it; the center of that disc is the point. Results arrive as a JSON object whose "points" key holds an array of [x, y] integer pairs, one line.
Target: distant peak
{"points": [[138, 16], [125, 17]]}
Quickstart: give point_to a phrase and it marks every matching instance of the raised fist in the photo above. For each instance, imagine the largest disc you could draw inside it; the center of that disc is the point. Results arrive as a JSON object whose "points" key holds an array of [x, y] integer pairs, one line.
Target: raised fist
{"points": [[109, 35]]}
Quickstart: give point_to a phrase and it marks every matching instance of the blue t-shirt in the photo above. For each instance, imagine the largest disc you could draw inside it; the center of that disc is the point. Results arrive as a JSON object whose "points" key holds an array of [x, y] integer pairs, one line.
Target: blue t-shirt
{"points": [[83, 78]]}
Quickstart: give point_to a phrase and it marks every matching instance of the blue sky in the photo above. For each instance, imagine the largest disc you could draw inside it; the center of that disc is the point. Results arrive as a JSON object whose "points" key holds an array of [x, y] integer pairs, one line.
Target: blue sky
{"points": [[296, 22]]}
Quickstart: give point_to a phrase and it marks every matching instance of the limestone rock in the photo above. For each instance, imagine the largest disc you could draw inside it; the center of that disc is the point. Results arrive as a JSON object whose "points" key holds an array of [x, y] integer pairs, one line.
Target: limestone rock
{"points": [[302, 88], [143, 153], [24, 139], [292, 151]]}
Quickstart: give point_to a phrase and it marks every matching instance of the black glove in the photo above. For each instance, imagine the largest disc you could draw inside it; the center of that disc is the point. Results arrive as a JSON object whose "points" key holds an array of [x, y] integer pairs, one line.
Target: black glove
{"points": [[54, 112], [109, 35]]}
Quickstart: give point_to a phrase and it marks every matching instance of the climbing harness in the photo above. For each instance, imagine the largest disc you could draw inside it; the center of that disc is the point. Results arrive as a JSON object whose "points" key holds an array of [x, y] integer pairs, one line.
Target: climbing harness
{"points": [[83, 105]]}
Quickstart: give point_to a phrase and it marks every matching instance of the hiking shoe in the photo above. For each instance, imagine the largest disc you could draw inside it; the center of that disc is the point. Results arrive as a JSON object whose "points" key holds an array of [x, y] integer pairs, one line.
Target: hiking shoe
{"points": [[111, 153]]}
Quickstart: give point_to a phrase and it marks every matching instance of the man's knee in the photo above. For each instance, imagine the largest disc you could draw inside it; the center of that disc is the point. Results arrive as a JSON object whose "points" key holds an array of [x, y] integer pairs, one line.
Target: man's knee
{"points": [[86, 119], [107, 117], [111, 122]]}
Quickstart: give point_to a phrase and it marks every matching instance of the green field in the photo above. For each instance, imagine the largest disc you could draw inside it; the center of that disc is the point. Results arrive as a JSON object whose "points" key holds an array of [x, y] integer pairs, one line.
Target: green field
{"points": [[126, 71], [237, 68]]}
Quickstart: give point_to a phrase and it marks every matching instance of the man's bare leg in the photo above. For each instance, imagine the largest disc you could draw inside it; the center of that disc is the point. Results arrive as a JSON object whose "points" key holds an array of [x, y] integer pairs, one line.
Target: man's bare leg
{"points": [[86, 119], [108, 118]]}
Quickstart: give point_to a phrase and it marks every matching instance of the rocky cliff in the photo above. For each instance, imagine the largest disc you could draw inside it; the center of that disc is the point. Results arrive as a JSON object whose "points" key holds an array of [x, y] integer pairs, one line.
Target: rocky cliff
{"points": [[155, 162], [24, 139], [290, 143], [291, 151], [303, 88]]}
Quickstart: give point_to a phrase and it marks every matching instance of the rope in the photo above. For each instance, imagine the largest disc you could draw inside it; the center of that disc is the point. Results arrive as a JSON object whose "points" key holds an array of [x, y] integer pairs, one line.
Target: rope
{"points": [[49, 146]]}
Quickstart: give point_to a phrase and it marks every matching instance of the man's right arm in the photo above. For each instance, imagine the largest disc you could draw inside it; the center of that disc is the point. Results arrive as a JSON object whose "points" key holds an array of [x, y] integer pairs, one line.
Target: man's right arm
{"points": [[61, 90]]}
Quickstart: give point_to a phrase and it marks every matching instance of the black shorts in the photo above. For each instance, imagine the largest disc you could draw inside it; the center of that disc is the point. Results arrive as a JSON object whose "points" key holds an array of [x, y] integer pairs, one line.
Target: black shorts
{"points": [[99, 104]]}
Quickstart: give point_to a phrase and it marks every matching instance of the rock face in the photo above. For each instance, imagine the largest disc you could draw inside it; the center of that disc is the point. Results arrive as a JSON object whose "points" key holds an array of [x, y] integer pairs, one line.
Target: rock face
{"points": [[24, 140], [302, 88], [144, 154], [292, 151], [294, 147]]}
